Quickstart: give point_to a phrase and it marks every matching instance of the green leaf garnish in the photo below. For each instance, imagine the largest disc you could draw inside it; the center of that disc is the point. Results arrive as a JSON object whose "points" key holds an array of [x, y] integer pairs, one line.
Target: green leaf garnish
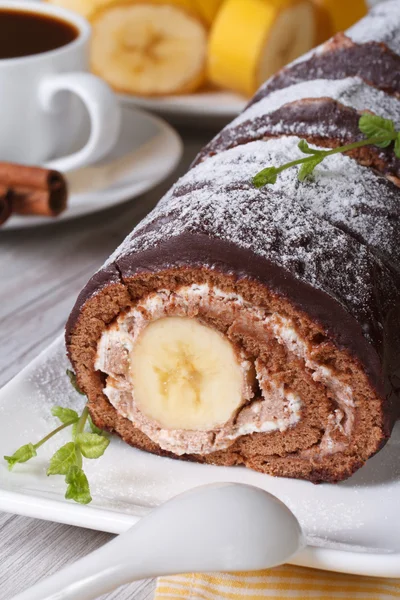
{"points": [[67, 460], [92, 445], [63, 459], [307, 168], [66, 415], [23, 454], [74, 383], [380, 132], [305, 148], [375, 126], [268, 175], [78, 486]]}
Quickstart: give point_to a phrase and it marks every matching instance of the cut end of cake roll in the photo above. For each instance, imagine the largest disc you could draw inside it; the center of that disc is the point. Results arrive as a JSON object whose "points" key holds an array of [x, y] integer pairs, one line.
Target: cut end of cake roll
{"points": [[205, 366]]}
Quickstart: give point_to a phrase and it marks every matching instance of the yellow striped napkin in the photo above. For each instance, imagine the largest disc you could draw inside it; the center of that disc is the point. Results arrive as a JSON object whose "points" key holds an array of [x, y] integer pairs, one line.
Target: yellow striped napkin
{"points": [[281, 582]]}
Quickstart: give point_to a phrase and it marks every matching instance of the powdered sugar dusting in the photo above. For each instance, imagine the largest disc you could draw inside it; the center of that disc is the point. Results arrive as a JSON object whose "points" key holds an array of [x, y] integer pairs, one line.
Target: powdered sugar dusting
{"points": [[352, 92], [327, 109], [339, 191], [382, 24], [284, 224], [336, 232], [343, 192]]}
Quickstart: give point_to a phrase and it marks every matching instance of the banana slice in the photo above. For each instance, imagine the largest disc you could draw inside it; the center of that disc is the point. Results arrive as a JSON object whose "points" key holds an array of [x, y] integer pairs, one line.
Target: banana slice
{"points": [[251, 39], [343, 13], [185, 375], [149, 49]]}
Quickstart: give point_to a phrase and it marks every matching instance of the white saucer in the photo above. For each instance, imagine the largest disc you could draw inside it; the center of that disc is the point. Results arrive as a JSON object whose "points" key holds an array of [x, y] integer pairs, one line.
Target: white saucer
{"points": [[352, 526], [147, 151], [212, 104]]}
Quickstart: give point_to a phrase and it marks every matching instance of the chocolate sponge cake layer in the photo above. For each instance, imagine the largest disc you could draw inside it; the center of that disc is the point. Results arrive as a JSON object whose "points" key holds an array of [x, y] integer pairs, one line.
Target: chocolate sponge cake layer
{"points": [[257, 327]]}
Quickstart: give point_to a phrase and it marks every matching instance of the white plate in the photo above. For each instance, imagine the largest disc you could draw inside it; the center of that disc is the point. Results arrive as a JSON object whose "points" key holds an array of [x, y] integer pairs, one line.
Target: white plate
{"points": [[351, 527], [224, 105], [147, 151]]}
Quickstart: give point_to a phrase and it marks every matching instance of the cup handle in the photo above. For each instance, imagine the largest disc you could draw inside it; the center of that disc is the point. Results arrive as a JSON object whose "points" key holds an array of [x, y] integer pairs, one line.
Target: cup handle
{"points": [[104, 112]]}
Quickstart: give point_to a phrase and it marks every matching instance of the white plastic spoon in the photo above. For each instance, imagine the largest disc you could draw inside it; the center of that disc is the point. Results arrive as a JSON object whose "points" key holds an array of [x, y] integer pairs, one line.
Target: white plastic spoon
{"points": [[219, 527]]}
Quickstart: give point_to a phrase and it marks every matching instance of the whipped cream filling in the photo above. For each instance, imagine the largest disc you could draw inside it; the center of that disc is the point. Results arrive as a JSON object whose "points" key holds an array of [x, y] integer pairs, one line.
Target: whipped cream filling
{"points": [[278, 408], [342, 418]]}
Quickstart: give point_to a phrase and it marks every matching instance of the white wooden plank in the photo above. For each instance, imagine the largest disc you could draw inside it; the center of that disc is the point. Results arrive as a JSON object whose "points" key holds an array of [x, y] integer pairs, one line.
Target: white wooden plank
{"points": [[32, 549]]}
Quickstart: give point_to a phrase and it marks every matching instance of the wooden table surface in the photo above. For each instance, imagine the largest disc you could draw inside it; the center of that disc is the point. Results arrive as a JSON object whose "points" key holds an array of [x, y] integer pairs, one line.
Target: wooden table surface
{"points": [[41, 272]]}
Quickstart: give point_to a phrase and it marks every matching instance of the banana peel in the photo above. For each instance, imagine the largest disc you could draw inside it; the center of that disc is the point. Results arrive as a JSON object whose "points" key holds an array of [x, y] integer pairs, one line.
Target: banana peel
{"points": [[252, 39]]}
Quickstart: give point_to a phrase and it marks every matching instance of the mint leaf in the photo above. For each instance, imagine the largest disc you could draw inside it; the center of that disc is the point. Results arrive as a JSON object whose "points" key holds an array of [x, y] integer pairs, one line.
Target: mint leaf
{"points": [[268, 175], [67, 460], [66, 415], [74, 383], [304, 147], [94, 428], [397, 146], [373, 126], [380, 132], [78, 486], [307, 168], [92, 445], [21, 455], [62, 460]]}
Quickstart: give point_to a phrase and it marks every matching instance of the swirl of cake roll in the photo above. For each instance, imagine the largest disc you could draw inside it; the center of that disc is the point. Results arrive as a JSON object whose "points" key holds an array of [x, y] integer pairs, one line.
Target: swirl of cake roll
{"points": [[256, 327]]}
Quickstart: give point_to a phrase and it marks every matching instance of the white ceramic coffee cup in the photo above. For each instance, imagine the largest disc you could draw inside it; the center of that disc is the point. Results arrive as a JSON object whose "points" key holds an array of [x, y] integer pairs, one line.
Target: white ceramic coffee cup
{"points": [[45, 99]]}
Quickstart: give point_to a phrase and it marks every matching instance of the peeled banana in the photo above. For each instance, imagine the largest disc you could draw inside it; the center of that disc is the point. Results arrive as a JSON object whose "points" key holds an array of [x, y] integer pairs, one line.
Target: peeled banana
{"points": [[251, 39], [149, 48], [185, 375]]}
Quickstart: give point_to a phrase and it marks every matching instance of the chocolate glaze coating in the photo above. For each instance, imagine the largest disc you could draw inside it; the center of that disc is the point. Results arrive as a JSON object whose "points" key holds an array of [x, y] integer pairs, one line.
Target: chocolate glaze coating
{"points": [[373, 62], [200, 250], [272, 239], [343, 275], [297, 118], [107, 275]]}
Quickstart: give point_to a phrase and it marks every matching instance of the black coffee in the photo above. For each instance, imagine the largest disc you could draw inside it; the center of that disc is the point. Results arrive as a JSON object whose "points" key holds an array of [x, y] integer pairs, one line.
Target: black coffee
{"points": [[25, 33]]}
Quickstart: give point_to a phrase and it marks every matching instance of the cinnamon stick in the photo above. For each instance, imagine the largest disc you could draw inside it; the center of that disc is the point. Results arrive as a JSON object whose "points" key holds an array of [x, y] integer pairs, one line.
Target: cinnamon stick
{"points": [[5, 204], [34, 190], [47, 203]]}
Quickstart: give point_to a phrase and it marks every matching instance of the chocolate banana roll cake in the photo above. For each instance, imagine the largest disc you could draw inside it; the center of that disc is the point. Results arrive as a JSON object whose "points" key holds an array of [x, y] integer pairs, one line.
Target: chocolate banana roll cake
{"points": [[261, 327]]}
